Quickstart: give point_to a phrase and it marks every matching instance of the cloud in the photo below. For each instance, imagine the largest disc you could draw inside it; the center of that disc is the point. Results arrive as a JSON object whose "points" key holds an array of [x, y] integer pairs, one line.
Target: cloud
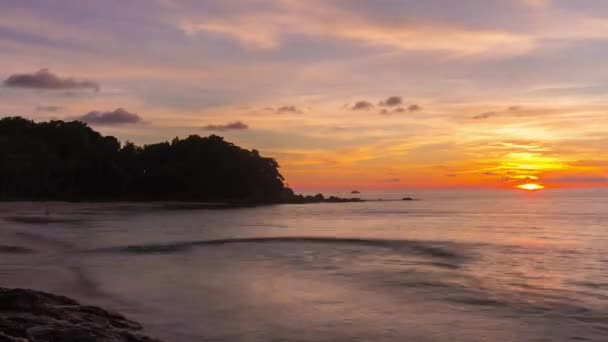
{"points": [[390, 180], [577, 179], [536, 3], [414, 108], [270, 28], [590, 163], [362, 105], [394, 111], [45, 79], [289, 109], [116, 117], [398, 110], [237, 125], [48, 108], [392, 101], [484, 116]]}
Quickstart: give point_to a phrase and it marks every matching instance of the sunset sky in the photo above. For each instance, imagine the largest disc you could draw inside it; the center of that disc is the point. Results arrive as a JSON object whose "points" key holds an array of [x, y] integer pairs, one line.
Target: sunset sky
{"points": [[348, 94]]}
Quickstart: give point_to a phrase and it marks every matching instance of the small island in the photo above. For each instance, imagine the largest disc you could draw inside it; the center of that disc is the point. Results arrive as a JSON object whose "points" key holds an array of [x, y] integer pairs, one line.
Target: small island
{"points": [[69, 161]]}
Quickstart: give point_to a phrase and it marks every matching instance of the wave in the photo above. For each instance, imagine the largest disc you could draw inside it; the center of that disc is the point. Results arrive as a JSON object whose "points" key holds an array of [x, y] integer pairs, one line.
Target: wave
{"points": [[5, 249], [50, 243], [86, 284], [42, 219], [64, 257], [478, 300], [590, 284], [416, 212], [449, 258]]}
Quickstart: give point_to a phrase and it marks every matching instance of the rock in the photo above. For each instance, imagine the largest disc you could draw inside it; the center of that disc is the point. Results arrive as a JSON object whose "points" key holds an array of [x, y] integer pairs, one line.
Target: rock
{"points": [[408, 199], [32, 316], [334, 199], [6, 338], [290, 197]]}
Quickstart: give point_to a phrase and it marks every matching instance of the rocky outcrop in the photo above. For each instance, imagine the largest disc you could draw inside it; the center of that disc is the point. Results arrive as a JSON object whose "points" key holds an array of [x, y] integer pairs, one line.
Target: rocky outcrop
{"points": [[290, 197], [32, 316]]}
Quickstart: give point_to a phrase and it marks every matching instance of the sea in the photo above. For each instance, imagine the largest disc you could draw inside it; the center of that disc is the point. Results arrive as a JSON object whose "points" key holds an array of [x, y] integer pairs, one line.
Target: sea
{"points": [[451, 265]]}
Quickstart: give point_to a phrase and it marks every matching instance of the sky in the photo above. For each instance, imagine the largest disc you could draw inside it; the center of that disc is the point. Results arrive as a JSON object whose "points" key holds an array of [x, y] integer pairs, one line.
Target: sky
{"points": [[349, 94]]}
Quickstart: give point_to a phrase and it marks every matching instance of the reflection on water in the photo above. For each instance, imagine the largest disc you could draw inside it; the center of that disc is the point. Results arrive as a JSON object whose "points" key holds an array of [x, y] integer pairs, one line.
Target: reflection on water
{"points": [[451, 266]]}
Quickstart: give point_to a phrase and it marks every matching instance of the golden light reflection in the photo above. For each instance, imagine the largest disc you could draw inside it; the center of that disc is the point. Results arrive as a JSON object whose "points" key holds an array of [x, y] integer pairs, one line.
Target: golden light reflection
{"points": [[530, 186]]}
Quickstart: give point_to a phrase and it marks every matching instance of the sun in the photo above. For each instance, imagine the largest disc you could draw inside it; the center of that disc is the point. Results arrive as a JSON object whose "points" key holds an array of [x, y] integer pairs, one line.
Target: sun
{"points": [[530, 186]]}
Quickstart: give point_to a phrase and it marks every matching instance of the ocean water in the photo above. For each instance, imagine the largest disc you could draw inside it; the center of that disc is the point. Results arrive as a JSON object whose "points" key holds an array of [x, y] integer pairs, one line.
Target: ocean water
{"points": [[449, 266]]}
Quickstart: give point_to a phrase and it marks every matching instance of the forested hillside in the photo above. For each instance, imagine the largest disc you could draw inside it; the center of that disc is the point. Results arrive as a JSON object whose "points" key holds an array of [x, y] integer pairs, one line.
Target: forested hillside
{"points": [[60, 160]]}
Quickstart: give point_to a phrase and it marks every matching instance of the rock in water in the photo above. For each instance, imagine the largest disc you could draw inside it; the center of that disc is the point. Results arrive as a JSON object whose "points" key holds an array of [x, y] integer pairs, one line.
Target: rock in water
{"points": [[32, 316]]}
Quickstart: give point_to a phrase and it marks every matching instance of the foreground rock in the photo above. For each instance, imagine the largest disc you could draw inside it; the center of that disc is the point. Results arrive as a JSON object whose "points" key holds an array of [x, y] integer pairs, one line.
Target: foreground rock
{"points": [[32, 316]]}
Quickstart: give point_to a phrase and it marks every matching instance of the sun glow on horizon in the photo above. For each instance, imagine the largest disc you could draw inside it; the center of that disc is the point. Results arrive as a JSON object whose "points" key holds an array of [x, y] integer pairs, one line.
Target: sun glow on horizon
{"points": [[530, 186]]}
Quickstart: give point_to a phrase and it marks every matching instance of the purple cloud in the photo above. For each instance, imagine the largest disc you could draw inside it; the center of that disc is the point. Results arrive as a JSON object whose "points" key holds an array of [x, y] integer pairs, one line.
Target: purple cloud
{"points": [[45, 79], [484, 116], [289, 109], [119, 116], [237, 125], [414, 108], [362, 105], [392, 101], [48, 108]]}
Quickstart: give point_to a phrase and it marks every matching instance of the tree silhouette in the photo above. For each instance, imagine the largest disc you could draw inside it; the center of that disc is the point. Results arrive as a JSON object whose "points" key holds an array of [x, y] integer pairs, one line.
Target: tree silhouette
{"points": [[60, 160]]}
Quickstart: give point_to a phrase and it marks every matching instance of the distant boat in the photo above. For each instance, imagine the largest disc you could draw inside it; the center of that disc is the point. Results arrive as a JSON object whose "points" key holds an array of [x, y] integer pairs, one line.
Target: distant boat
{"points": [[407, 199], [355, 192]]}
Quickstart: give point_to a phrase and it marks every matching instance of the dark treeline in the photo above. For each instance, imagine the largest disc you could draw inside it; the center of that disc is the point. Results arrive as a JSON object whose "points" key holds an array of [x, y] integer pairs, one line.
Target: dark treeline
{"points": [[59, 160]]}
